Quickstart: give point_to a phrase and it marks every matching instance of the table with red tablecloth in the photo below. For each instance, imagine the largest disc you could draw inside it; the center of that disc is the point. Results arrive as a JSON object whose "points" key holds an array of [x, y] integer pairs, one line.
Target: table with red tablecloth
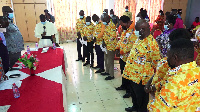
{"points": [[44, 92]]}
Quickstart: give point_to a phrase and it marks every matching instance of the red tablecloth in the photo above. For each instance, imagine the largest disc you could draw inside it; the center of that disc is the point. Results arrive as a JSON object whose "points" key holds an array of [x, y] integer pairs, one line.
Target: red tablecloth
{"points": [[38, 94]]}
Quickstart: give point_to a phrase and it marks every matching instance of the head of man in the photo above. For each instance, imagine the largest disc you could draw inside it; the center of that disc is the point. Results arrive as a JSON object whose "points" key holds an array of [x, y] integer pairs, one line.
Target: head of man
{"points": [[144, 28], [95, 18], [174, 11], [111, 13], [81, 14], [171, 20], [161, 13], [197, 19], [105, 11], [88, 20], [179, 11], [125, 22], [179, 33], [42, 18], [126, 9], [7, 12], [46, 12], [180, 52], [3, 22], [106, 19]]}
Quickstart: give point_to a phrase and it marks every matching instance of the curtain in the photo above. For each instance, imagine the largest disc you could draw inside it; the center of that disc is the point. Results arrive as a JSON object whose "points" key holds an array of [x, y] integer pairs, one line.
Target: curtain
{"points": [[152, 7], [67, 13]]}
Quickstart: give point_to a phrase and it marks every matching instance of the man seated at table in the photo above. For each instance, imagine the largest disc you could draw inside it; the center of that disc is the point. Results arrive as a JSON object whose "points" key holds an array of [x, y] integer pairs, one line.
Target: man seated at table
{"points": [[46, 31], [180, 92], [3, 48]]}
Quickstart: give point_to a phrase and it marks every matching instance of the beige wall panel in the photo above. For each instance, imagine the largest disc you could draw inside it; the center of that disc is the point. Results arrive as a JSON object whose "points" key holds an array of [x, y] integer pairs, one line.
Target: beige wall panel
{"points": [[18, 1], [40, 1], [31, 21], [39, 8], [21, 20], [29, 1]]}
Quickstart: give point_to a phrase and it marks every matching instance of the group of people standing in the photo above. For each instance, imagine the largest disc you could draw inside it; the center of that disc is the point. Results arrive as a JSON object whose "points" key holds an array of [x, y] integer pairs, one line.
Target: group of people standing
{"points": [[163, 67]]}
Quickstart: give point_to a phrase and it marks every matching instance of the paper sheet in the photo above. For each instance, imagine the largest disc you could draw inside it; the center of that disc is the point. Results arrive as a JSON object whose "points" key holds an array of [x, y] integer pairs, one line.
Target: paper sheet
{"points": [[103, 48], [4, 108]]}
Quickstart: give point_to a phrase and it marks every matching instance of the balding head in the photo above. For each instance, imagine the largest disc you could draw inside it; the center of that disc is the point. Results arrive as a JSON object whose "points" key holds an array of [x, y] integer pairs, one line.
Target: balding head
{"points": [[143, 27]]}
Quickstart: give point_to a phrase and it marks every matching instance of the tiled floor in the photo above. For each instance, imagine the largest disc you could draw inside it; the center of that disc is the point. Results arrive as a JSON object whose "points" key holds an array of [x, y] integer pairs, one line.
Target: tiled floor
{"points": [[89, 92]]}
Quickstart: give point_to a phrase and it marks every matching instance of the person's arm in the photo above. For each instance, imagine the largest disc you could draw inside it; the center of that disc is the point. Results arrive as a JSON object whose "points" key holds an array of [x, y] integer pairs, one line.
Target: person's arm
{"points": [[168, 98], [154, 53], [37, 31], [147, 86], [102, 31]]}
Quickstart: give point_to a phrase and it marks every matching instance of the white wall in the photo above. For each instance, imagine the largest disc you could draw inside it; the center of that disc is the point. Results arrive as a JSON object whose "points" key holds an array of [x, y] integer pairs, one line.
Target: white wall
{"points": [[110, 5]]}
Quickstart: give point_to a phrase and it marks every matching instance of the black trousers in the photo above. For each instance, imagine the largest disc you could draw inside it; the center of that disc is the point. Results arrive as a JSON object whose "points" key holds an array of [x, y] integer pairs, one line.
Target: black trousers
{"points": [[90, 52], [100, 56], [13, 57], [140, 98], [5, 57], [79, 45], [125, 82]]}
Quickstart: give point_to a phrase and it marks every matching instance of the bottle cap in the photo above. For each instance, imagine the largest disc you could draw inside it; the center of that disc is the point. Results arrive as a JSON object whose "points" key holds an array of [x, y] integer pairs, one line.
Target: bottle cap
{"points": [[13, 84]]}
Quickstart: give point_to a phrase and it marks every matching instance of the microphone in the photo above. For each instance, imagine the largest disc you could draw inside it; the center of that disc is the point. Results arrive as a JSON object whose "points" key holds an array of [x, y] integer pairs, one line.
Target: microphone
{"points": [[44, 28]]}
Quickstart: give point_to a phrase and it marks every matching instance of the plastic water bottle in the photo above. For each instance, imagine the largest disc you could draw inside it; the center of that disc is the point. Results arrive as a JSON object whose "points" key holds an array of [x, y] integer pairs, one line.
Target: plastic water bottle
{"points": [[36, 46], [15, 91], [54, 46], [28, 50]]}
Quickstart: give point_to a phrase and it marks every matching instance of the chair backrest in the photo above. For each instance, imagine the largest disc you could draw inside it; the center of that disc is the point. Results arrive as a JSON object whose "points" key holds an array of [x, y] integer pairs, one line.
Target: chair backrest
{"points": [[156, 33]]}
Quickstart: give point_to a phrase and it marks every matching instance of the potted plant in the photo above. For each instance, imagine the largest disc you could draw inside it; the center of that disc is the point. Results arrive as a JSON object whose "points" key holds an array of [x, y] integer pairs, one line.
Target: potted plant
{"points": [[29, 61]]}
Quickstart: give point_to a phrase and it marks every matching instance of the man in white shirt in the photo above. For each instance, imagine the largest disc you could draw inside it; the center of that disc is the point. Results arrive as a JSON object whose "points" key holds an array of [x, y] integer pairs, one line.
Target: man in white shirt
{"points": [[46, 31]]}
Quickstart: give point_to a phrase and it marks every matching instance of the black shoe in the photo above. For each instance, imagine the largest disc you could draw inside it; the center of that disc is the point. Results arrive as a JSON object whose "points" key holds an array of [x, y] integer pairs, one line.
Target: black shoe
{"points": [[96, 67], [130, 109], [120, 88], [79, 59], [109, 78], [83, 60], [127, 95], [105, 74], [57, 45], [86, 64], [100, 70]]}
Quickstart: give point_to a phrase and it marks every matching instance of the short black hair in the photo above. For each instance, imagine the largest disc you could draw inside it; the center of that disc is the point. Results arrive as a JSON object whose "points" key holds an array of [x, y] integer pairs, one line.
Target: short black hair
{"points": [[143, 13], [179, 33], [125, 19], [197, 17], [46, 10], [171, 19], [6, 9], [182, 48], [3, 21], [89, 18], [162, 13], [94, 15], [42, 16]]}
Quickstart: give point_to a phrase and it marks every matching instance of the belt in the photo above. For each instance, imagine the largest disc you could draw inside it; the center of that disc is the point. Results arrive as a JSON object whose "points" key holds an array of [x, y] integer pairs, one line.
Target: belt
{"points": [[48, 37]]}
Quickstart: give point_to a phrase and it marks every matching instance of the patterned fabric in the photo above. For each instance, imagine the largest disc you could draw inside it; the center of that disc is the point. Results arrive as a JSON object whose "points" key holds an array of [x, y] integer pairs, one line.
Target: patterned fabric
{"points": [[181, 91], [88, 32], [97, 30], [109, 36], [126, 42], [14, 39], [163, 41], [161, 71], [1, 70], [197, 27], [2, 38], [160, 23], [142, 60], [198, 56], [79, 25], [129, 14]]}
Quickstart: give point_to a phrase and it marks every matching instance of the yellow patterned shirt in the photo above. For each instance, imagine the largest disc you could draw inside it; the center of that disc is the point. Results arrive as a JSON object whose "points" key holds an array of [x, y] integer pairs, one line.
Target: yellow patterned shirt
{"points": [[109, 36], [161, 71], [97, 31], [180, 92], [142, 60], [198, 56], [80, 24], [126, 42], [88, 32]]}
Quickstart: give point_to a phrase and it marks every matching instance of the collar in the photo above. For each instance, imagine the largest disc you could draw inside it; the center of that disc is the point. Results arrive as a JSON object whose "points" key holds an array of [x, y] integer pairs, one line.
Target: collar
{"points": [[183, 67]]}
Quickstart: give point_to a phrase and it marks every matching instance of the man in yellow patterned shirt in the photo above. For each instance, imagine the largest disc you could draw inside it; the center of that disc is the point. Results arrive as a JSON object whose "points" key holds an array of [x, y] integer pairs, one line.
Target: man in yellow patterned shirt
{"points": [[109, 41], [98, 42], [124, 45], [181, 91], [127, 13], [140, 66], [79, 27], [88, 36]]}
